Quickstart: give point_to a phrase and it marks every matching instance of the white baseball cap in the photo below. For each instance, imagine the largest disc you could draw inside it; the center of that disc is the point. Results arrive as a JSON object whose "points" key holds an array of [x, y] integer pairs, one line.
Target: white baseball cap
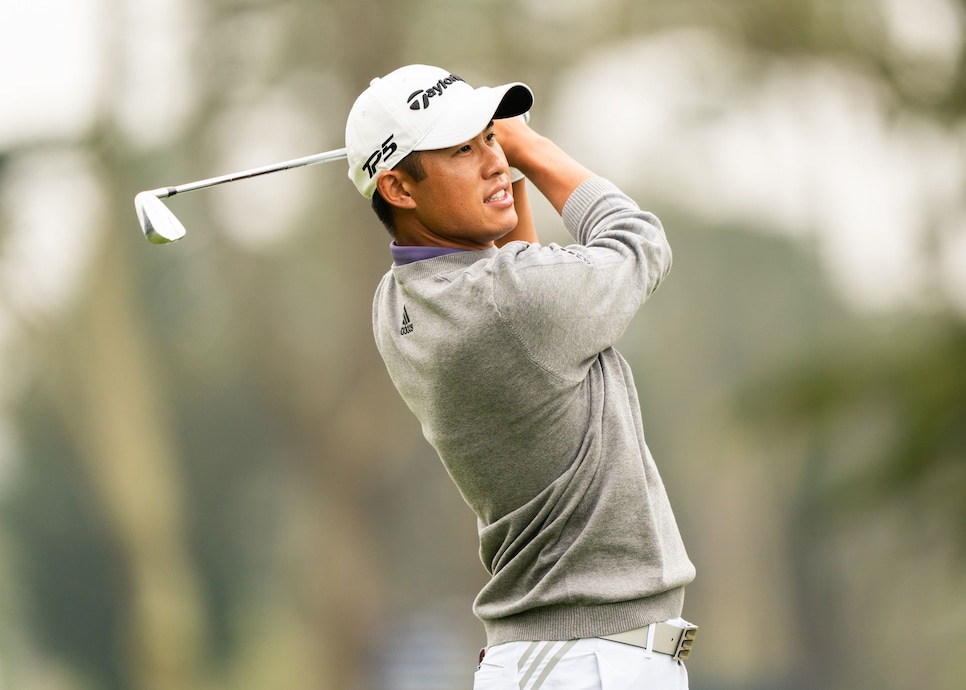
{"points": [[420, 108]]}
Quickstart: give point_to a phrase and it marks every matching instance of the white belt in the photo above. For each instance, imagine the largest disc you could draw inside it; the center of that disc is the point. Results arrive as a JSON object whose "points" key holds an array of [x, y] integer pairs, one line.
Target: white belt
{"points": [[665, 639]]}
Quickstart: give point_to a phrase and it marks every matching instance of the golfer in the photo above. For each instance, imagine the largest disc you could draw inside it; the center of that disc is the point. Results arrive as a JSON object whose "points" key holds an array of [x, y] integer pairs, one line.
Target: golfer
{"points": [[503, 349]]}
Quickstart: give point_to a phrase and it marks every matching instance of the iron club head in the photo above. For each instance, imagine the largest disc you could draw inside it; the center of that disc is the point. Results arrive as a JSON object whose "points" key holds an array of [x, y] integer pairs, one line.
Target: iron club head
{"points": [[157, 222], [161, 227]]}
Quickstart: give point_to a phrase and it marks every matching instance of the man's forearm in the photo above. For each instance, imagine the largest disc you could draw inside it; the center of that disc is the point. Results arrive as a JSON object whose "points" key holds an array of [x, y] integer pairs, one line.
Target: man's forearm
{"points": [[551, 170], [525, 229]]}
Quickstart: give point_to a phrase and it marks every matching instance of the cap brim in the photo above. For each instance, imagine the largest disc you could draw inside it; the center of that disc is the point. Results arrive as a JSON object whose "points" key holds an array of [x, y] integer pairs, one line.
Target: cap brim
{"points": [[472, 117]]}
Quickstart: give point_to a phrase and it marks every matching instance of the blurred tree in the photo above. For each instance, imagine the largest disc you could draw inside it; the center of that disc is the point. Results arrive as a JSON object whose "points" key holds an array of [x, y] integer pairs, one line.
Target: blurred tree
{"points": [[879, 424], [913, 384]]}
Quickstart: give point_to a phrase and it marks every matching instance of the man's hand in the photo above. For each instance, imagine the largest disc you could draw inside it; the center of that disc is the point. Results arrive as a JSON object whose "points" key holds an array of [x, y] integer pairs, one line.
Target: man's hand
{"points": [[512, 133], [552, 171]]}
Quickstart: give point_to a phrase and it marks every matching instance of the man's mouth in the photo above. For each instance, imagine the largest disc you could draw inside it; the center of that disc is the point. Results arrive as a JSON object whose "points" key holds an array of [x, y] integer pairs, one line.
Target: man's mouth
{"points": [[499, 196]]}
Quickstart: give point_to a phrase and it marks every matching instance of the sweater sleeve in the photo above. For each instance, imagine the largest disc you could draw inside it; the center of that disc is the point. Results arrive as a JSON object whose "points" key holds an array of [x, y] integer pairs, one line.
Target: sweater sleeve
{"points": [[565, 305]]}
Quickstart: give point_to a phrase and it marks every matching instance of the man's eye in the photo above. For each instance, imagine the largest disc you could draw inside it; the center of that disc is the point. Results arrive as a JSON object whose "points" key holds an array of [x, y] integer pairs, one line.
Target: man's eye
{"points": [[465, 149], [491, 136]]}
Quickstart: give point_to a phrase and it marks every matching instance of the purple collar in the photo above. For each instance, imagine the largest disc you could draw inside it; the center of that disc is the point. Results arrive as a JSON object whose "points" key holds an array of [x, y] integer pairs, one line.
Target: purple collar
{"points": [[402, 255]]}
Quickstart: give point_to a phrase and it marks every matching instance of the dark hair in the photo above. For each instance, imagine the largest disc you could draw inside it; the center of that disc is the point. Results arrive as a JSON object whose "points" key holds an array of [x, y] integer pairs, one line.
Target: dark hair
{"points": [[411, 165]]}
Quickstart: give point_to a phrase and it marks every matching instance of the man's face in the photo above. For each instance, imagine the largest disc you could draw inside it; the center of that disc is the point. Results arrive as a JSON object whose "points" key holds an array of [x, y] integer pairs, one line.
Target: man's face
{"points": [[466, 200]]}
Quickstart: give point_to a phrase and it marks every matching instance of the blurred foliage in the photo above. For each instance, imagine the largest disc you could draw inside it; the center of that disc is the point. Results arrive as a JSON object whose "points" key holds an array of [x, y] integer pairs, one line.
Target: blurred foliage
{"points": [[889, 412], [876, 518]]}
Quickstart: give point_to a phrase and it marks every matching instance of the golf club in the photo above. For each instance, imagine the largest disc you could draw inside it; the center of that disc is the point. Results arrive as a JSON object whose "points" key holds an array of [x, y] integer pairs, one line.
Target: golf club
{"points": [[160, 225]]}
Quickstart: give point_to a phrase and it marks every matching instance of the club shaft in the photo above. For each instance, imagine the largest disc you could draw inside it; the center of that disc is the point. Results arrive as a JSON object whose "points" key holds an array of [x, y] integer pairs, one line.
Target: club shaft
{"points": [[325, 157]]}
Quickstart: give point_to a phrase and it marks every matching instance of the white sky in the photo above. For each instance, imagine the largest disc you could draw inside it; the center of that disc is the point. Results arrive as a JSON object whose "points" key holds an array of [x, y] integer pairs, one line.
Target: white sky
{"points": [[48, 67], [805, 147], [800, 148]]}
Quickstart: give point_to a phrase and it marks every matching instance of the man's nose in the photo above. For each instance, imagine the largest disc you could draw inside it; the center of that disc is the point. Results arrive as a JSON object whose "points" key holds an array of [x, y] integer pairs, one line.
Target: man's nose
{"points": [[495, 161]]}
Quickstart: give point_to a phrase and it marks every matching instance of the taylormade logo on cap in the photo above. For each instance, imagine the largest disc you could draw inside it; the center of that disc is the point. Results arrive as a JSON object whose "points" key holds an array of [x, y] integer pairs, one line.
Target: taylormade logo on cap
{"points": [[420, 99], [420, 108]]}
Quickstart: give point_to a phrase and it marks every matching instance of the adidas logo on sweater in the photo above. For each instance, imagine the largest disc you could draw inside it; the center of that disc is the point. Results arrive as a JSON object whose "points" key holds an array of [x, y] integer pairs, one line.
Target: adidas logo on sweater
{"points": [[407, 325]]}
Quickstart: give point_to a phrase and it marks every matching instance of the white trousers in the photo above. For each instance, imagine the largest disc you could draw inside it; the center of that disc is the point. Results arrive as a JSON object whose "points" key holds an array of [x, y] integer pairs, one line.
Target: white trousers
{"points": [[587, 664]]}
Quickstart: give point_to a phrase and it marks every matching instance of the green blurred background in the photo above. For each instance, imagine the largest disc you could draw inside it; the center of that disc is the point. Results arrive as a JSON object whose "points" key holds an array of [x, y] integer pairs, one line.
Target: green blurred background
{"points": [[207, 480]]}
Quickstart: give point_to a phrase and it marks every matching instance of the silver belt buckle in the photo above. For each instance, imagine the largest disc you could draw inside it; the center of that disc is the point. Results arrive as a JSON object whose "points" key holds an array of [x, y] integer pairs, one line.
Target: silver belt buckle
{"points": [[685, 643]]}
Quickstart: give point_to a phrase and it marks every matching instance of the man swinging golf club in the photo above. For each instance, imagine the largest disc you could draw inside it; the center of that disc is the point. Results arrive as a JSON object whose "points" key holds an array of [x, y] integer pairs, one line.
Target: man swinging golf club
{"points": [[503, 349]]}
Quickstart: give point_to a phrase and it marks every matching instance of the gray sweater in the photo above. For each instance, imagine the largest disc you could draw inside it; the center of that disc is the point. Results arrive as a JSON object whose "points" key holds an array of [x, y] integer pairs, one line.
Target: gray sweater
{"points": [[506, 358]]}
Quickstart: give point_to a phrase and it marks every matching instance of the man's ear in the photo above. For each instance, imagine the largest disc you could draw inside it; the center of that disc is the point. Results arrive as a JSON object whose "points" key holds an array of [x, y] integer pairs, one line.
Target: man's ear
{"points": [[393, 186]]}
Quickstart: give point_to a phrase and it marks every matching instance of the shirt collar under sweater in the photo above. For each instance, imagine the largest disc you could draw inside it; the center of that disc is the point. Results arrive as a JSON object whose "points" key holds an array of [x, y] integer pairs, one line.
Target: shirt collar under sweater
{"points": [[402, 255]]}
